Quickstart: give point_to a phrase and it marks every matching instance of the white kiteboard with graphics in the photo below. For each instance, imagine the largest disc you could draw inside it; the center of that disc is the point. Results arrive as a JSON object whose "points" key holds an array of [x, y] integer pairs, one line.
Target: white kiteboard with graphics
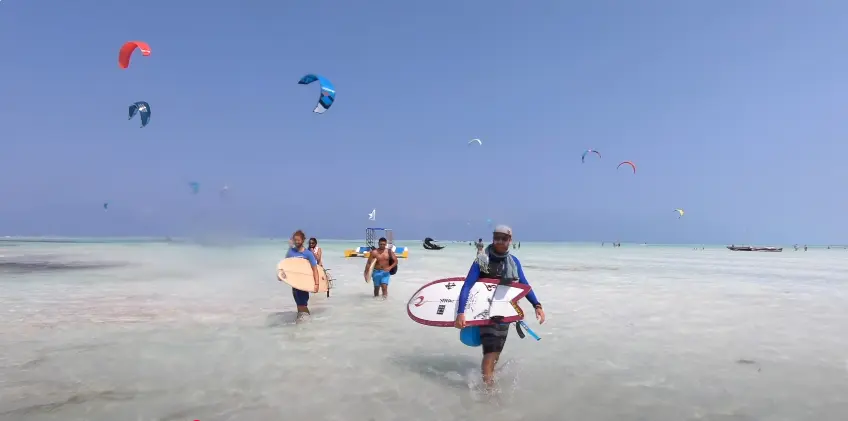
{"points": [[435, 303]]}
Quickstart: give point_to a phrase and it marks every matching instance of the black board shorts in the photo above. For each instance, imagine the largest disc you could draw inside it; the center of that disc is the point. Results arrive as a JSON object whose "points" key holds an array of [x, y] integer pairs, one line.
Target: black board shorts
{"points": [[493, 337]]}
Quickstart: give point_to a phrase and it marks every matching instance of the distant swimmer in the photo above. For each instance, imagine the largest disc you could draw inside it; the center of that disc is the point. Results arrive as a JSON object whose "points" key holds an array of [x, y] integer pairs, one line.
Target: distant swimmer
{"points": [[301, 298], [480, 246], [497, 263], [313, 247], [384, 262]]}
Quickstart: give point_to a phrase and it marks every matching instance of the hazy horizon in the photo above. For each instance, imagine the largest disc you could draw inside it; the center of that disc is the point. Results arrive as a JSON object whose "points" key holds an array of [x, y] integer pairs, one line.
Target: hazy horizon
{"points": [[156, 239]]}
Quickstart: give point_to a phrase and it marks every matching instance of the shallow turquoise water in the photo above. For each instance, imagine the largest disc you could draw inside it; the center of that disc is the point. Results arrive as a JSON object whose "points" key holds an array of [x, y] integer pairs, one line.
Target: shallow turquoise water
{"points": [[155, 331]]}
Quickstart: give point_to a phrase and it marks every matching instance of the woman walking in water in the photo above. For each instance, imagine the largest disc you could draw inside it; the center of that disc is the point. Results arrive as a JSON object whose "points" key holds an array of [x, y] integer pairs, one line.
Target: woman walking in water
{"points": [[313, 247]]}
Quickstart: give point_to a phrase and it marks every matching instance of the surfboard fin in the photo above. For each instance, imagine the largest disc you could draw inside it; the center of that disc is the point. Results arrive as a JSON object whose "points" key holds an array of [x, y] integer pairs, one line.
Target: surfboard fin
{"points": [[330, 283]]}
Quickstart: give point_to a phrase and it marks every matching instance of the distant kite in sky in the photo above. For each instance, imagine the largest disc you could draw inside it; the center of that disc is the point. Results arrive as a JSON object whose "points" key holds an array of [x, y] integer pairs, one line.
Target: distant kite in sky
{"points": [[143, 110], [127, 49], [583, 158], [632, 165], [328, 92], [477, 141]]}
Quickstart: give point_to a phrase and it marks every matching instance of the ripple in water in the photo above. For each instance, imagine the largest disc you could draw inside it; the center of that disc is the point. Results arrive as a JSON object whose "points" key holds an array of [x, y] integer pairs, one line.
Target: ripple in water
{"points": [[46, 266]]}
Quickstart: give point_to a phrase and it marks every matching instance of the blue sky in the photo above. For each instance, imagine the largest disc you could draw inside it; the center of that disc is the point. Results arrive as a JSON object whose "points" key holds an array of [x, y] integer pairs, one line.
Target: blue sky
{"points": [[734, 111]]}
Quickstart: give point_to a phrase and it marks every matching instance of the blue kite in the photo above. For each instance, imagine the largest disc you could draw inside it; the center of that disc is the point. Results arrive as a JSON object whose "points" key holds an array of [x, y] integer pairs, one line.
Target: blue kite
{"points": [[143, 110], [328, 92]]}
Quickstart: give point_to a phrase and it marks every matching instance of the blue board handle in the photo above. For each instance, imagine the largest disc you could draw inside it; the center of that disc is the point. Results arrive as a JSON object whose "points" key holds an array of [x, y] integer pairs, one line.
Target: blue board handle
{"points": [[530, 331]]}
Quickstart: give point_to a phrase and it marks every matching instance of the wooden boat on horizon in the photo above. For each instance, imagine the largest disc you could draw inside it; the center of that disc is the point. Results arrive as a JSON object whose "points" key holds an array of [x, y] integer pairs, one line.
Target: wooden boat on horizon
{"points": [[752, 248]]}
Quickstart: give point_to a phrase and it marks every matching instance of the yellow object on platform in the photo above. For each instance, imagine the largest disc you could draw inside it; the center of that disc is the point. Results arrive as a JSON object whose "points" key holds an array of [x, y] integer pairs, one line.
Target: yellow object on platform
{"points": [[353, 253]]}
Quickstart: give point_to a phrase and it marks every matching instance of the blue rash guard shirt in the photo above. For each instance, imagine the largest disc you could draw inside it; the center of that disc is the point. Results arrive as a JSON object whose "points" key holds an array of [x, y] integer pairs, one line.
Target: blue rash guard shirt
{"points": [[305, 254], [474, 275]]}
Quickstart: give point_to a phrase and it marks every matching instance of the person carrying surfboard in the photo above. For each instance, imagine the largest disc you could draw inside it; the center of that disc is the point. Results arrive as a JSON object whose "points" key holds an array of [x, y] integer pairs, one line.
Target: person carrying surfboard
{"points": [[301, 298], [385, 262], [496, 263]]}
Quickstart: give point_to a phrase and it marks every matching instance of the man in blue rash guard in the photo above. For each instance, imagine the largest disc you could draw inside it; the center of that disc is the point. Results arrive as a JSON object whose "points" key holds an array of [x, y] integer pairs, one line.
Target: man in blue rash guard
{"points": [[301, 298], [497, 263]]}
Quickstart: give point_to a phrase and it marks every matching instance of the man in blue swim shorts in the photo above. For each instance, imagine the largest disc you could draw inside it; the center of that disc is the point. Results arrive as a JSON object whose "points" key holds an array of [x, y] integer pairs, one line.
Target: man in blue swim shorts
{"points": [[385, 261]]}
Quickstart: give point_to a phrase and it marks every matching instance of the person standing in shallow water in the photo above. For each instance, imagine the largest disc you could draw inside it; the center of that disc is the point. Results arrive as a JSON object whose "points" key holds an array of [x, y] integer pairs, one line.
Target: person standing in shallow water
{"points": [[384, 261], [496, 263], [301, 298], [480, 246], [319, 254]]}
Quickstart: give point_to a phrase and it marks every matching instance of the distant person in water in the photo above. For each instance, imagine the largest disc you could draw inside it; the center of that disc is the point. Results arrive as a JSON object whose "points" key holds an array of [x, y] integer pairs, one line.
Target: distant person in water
{"points": [[313, 247], [301, 298], [384, 261], [480, 246], [497, 263]]}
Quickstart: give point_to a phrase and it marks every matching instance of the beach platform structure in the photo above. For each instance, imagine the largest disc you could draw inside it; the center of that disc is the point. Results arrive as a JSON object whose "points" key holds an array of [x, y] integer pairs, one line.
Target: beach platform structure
{"points": [[372, 235]]}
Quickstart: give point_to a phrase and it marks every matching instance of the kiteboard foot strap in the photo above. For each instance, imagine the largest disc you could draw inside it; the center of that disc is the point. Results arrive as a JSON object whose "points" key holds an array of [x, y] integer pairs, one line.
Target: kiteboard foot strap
{"points": [[521, 323], [499, 319], [518, 330]]}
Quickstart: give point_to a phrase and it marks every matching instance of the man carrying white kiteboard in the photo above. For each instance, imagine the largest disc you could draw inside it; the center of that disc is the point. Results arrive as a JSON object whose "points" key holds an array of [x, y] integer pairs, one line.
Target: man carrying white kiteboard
{"points": [[495, 263]]}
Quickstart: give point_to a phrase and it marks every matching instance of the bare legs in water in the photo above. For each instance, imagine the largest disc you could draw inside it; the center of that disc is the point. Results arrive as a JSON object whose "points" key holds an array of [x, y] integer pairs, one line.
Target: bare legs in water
{"points": [[487, 367], [384, 288]]}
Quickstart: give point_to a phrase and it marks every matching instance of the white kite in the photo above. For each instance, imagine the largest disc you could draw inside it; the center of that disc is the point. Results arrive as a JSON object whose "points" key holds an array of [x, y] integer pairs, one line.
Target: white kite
{"points": [[479, 142], [373, 215]]}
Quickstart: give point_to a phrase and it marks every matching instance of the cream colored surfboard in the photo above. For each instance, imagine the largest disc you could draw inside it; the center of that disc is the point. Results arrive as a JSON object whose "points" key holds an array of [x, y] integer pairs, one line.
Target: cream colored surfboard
{"points": [[371, 270], [297, 272]]}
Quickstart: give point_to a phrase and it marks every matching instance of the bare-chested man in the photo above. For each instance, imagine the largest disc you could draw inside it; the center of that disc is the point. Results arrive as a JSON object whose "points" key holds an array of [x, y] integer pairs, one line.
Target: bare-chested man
{"points": [[384, 261]]}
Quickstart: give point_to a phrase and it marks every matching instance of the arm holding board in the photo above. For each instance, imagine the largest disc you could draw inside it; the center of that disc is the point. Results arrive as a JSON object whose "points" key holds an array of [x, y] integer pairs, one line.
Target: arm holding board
{"points": [[540, 314], [470, 279]]}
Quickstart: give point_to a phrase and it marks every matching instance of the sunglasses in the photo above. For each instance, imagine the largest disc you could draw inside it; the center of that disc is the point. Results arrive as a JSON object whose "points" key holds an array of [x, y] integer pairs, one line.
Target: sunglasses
{"points": [[500, 238]]}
